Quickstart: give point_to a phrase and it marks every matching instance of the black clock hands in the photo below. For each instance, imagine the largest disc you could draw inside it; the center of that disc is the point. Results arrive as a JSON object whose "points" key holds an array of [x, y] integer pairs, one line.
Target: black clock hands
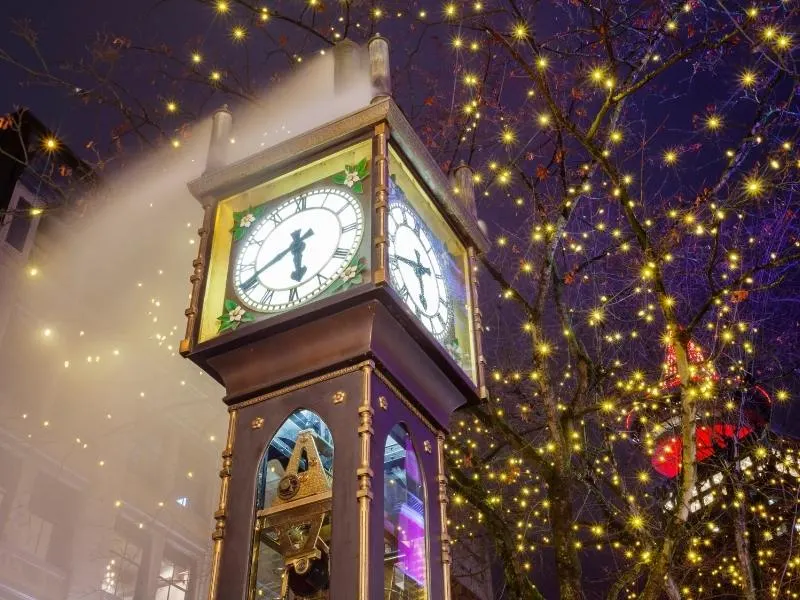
{"points": [[296, 249], [419, 271]]}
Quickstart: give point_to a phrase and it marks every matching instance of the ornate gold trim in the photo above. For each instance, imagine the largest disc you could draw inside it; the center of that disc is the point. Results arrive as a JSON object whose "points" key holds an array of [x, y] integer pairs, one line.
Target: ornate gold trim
{"points": [[414, 410], [477, 324], [301, 385], [197, 277], [221, 513], [380, 169], [364, 474], [254, 554], [443, 502]]}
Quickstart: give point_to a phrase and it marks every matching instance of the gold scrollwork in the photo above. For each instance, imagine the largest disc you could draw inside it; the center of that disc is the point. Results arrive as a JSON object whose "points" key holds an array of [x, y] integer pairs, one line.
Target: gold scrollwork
{"points": [[364, 474], [441, 478], [257, 423], [196, 278], [221, 514]]}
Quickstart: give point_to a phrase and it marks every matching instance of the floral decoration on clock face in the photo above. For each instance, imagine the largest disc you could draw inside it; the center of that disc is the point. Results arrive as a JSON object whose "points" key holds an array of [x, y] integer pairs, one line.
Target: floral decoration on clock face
{"points": [[297, 250]]}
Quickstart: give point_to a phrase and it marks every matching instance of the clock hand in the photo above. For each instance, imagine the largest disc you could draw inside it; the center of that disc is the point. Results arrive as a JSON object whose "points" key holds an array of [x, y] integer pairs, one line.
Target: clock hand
{"points": [[297, 247], [251, 281], [419, 271]]}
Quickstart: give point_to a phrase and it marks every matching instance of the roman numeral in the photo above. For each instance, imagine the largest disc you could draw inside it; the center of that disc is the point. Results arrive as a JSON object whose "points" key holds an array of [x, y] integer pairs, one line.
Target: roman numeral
{"points": [[266, 299], [321, 279], [403, 291], [300, 203], [351, 227], [441, 319], [341, 253], [293, 295], [276, 218]]}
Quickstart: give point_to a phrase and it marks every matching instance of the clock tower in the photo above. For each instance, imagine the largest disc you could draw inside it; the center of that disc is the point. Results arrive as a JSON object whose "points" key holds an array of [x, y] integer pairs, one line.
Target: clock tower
{"points": [[334, 298]]}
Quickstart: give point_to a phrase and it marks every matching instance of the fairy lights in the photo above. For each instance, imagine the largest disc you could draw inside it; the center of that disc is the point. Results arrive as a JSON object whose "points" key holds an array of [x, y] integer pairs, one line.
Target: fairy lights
{"points": [[624, 213]]}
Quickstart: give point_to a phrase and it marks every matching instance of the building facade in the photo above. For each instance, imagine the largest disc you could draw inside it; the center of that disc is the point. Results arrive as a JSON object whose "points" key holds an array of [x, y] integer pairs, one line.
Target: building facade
{"points": [[112, 513]]}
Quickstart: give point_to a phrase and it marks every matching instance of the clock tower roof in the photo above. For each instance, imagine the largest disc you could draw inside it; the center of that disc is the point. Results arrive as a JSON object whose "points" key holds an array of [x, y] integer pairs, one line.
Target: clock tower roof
{"points": [[226, 180]]}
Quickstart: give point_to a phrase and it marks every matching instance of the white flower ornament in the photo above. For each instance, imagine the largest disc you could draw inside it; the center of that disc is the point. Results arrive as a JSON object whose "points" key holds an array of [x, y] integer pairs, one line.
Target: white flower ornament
{"points": [[236, 314], [351, 179], [349, 273]]}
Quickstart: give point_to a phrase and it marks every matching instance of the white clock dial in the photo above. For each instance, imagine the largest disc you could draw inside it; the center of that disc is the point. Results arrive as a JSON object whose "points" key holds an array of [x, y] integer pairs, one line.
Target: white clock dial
{"points": [[415, 271], [295, 251]]}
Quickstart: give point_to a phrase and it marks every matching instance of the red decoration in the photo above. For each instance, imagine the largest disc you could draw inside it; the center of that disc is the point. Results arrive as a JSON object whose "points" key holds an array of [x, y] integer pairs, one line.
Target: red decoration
{"points": [[709, 438], [704, 370]]}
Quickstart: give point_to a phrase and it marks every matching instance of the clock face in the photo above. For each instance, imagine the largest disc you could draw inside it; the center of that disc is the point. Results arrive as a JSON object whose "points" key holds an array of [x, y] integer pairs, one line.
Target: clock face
{"points": [[298, 249], [416, 271]]}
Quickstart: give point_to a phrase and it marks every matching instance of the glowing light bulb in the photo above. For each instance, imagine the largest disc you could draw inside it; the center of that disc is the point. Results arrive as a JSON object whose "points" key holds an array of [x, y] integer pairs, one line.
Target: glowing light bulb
{"points": [[713, 122], [50, 144], [520, 30]]}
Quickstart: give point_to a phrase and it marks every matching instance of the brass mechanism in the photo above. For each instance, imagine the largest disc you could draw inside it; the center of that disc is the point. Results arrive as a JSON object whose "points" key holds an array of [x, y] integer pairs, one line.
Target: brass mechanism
{"points": [[297, 523]]}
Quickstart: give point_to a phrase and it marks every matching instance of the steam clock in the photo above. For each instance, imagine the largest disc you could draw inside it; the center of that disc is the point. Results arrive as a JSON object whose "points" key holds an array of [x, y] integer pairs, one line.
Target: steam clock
{"points": [[333, 297]]}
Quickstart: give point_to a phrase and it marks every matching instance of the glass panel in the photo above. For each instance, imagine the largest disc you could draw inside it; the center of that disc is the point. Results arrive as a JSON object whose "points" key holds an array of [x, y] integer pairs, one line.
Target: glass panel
{"points": [[291, 541], [405, 552], [122, 570], [428, 266], [29, 532], [173, 581]]}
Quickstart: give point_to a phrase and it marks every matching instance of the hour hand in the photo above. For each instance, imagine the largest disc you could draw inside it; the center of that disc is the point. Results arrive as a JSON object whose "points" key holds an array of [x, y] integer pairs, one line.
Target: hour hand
{"points": [[297, 247]]}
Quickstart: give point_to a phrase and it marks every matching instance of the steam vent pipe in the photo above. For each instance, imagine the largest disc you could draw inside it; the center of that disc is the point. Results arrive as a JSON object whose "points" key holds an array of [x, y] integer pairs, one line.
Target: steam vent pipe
{"points": [[221, 129], [379, 69]]}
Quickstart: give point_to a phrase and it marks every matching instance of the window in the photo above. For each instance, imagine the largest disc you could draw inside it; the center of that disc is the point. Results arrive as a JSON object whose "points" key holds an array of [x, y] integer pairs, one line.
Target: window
{"points": [[173, 581], [29, 532], [20, 225], [302, 448], [405, 556], [122, 570]]}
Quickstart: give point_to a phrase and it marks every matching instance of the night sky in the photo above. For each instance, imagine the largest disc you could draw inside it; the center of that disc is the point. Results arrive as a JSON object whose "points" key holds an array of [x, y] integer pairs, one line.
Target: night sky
{"points": [[66, 30]]}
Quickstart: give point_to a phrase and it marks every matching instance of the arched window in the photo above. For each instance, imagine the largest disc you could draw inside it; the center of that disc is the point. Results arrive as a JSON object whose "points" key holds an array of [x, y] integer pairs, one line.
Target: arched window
{"points": [[290, 550], [405, 550]]}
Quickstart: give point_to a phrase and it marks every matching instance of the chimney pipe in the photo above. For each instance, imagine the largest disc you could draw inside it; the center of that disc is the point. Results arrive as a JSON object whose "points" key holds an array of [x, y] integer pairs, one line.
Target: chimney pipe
{"points": [[464, 188], [379, 68], [221, 129]]}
